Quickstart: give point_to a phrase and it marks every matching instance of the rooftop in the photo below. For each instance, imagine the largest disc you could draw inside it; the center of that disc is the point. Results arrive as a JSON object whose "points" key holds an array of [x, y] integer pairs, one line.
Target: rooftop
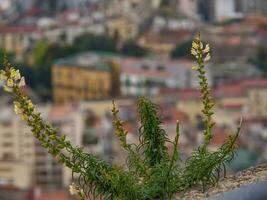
{"points": [[231, 89], [18, 29], [93, 60], [59, 195]]}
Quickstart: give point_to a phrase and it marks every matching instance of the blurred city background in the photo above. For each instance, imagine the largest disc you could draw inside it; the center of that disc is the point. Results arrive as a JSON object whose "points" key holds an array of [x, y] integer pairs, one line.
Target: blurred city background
{"points": [[79, 55]]}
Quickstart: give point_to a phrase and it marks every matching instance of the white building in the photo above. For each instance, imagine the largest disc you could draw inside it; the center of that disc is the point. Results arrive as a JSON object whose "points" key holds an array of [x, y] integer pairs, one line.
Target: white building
{"points": [[23, 162], [225, 9], [148, 76], [188, 8]]}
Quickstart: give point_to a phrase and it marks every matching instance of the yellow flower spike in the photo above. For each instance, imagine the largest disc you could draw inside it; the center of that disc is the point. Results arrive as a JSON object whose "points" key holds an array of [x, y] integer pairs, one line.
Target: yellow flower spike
{"points": [[10, 83]]}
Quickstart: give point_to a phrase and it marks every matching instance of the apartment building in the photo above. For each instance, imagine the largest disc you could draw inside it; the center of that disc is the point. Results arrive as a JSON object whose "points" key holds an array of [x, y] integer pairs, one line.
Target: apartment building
{"points": [[149, 76], [23, 161], [122, 28], [18, 39], [86, 76], [16, 151]]}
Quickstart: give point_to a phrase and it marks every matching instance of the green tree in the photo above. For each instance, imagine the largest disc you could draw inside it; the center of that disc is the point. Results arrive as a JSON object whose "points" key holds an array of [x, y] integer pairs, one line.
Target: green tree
{"points": [[261, 60], [131, 48], [89, 42], [180, 51], [44, 55], [164, 3]]}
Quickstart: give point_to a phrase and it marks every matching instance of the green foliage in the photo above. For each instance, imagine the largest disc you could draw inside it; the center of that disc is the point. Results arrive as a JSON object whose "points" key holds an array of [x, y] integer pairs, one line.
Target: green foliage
{"points": [[152, 137], [130, 48], [260, 60], [164, 3], [44, 55], [89, 42], [150, 171], [180, 51]]}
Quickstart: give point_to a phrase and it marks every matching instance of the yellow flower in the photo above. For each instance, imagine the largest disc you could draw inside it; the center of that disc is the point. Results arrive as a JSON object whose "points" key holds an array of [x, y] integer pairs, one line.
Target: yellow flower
{"points": [[13, 73], [17, 75], [7, 89], [207, 49], [3, 77], [74, 189], [194, 68], [201, 45], [195, 45], [30, 104], [193, 52], [24, 117], [21, 82], [207, 58], [10, 83], [17, 108]]}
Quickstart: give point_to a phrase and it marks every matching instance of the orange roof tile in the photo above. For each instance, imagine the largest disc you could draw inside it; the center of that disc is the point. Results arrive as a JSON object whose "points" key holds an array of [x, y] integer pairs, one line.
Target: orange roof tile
{"points": [[59, 195]]}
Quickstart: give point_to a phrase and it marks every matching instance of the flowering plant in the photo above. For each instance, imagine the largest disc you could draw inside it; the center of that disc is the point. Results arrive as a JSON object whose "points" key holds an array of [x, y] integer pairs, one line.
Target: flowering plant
{"points": [[150, 172]]}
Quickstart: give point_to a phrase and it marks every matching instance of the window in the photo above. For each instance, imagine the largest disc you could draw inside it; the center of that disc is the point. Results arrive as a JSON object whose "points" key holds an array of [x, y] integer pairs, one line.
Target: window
{"points": [[145, 67], [6, 123], [160, 68], [8, 156], [7, 144], [7, 134], [5, 169]]}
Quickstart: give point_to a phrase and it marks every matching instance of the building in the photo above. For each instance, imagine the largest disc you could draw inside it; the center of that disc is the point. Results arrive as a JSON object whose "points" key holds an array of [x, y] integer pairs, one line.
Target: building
{"points": [[237, 98], [70, 121], [16, 151], [257, 98], [122, 28], [188, 8], [231, 42], [224, 10], [149, 76], [58, 195], [84, 77], [255, 6], [17, 39], [14, 193], [98, 75], [24, 163], [233, 71], [18, 173], [165, 41], [218, 10]]}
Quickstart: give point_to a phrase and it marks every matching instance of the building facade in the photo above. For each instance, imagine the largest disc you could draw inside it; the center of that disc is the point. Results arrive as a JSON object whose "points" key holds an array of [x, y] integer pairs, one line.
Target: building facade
{"points": [[24, 163], [17, 39], [85, 77]]}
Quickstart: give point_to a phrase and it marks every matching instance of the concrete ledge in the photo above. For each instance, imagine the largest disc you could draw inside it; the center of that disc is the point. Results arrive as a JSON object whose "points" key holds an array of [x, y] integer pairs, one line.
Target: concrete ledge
{"points": [[252, 180]]}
